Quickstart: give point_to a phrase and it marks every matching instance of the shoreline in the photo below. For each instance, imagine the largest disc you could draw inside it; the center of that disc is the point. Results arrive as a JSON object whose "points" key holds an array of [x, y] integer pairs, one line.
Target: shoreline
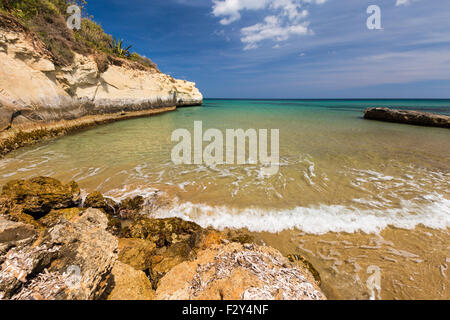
{"points": [[42, 97], [17, 138]]}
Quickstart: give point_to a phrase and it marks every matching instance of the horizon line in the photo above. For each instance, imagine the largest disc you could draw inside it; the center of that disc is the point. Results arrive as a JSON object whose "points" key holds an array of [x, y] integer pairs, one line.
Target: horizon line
{"points": [[327, 99]]}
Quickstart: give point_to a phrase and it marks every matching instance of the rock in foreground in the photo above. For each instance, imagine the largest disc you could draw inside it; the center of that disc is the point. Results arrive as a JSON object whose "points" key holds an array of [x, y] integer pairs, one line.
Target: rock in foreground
{"points": [[51, 248], [408, 117], [238, 272], [72, 260]]}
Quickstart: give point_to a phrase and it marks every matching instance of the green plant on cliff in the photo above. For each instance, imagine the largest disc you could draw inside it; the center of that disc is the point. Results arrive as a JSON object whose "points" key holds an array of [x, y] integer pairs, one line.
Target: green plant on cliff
{"points": [[119, 49], [47, 19], [28, 10], [92, 35]]}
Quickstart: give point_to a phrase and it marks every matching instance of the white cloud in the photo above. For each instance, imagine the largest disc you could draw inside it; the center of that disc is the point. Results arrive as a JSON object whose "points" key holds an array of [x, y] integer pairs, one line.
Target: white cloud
{"points": [[404, 2], [272, 28], [231, 9], [287, 18]]}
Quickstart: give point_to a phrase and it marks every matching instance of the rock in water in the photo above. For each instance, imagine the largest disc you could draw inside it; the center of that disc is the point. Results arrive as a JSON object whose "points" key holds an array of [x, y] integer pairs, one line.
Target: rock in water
{"points": [[162, 232], [73, 260], [38, 196], [408, 117], [238, 272]]}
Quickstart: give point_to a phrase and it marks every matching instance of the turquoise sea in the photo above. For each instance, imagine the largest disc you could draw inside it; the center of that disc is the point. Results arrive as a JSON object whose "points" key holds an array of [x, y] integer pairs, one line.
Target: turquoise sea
{"points": [[349, 193]]}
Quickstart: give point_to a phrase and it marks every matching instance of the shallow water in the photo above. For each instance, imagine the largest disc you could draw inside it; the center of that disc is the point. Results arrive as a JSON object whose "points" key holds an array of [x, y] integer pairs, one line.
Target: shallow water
{"points": [[350, 193]]}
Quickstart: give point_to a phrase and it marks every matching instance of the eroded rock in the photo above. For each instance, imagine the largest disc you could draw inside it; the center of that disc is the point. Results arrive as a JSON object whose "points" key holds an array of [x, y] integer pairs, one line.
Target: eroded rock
{"points": [[130, 284], [163, 232], [55, 216], [44, 269], [38, 196], [98, 201], [237, 272], [175, 241], [136, 253], [15, 231], [131, 208], [108, 206], [408, 117]]}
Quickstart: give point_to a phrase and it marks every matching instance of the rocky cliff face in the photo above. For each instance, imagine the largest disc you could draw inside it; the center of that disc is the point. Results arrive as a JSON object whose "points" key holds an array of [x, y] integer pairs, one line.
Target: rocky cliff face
{"points": [[34, 90]]}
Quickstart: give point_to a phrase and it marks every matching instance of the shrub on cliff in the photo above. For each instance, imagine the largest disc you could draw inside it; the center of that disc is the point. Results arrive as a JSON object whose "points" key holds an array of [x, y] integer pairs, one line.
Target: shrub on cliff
{"points": [[47, 18], [93, 36]]}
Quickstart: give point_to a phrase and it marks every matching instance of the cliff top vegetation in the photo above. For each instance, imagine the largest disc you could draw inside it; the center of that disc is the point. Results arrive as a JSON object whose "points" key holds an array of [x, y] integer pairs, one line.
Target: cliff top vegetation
{"points": [[47, 20]]}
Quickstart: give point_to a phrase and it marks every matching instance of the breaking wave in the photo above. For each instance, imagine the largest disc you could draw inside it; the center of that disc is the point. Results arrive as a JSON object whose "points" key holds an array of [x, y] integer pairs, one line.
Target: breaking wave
{"points": [[318, 220]]}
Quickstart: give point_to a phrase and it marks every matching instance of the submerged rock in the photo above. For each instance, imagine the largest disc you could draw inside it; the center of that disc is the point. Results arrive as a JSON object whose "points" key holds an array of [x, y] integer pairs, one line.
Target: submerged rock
{"points": [[302, 262], [131, 208], [38, 196], [238, 272], [408, 117]]}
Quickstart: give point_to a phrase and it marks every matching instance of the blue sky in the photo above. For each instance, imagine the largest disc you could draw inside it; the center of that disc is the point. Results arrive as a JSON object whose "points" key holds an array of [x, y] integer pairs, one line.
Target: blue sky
{"points": [[290, 48]]}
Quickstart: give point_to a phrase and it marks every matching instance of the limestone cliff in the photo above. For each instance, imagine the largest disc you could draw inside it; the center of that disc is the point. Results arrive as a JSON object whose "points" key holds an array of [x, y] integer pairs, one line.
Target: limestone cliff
{"points": [[33, 89]]}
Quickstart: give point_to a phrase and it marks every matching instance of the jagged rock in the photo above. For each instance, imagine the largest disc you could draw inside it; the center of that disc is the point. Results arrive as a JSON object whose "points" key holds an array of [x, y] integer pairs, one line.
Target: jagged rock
{"points": [[176, 241], [130, 284], [136, 253], [97, 201], [236, 272], [164, 259], [14, 234], [177, 258], [43, 270], [239, 236], [302, 262], [131, 208], [14, 231], [55, 216], [163, 232], [109, 206], [409, 117], [38, 196], [6, 116]]}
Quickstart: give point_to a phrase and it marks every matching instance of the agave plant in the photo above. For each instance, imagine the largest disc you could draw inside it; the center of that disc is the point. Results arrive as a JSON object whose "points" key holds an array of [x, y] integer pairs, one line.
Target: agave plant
{"points": [[119, 49]]}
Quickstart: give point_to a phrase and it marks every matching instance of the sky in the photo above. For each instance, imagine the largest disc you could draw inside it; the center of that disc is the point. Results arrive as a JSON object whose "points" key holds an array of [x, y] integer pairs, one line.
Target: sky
{"points": [[309, 49]]}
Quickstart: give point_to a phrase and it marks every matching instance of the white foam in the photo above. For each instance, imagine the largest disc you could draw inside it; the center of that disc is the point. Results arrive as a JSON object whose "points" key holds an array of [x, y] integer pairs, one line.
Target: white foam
{"points": [[319, 219], [128, 191]]}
